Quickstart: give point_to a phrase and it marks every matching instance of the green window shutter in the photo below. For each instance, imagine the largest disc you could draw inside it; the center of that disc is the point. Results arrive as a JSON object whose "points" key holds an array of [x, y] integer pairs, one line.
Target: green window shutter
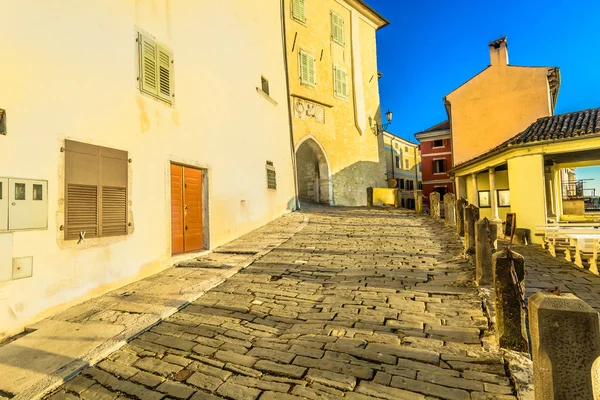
{"points": [[337, 28], [164, 72], [336, 81], [341, 30], [148, 66], [344, 83], [298, 10], [312, 73], [303, 67]]}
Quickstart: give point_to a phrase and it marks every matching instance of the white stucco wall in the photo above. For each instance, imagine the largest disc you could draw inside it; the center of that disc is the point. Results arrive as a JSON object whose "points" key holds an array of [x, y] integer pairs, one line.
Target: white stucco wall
{"points": [[69, 70]]}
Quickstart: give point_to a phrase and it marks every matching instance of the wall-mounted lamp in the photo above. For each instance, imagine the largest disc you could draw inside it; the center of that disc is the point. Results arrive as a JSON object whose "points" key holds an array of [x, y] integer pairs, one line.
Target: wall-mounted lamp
{"points": [[377, 129]]}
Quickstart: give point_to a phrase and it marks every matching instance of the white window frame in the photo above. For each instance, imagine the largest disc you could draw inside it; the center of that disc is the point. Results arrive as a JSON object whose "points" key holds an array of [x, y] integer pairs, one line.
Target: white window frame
{"points": [[303, 22]]}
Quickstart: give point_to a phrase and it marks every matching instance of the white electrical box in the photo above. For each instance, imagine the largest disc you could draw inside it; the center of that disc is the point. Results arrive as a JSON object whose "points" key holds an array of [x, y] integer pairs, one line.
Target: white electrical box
{"points": [[22, 267], [23, 204]]}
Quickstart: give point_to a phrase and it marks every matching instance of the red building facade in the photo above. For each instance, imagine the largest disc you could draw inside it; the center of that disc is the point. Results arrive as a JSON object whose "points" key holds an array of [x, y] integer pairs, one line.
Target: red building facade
{"points": [[436, 159]]}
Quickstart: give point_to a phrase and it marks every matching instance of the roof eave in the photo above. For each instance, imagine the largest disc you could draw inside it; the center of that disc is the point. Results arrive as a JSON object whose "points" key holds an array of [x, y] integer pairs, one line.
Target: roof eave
{"points": [[379, 20]]}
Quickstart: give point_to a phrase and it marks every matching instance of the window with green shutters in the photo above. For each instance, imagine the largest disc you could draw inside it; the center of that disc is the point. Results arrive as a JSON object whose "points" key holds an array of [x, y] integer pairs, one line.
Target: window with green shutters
{"points": [[340, 82], [299, 10], [156, 69], [308, 74], [337, 28]]}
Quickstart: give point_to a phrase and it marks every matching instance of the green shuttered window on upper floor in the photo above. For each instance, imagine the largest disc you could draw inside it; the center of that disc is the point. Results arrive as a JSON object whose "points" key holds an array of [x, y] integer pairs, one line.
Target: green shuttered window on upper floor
{"points": [[156, 69], [340, 82], [299, 10], [337, 28], [308, 74]]}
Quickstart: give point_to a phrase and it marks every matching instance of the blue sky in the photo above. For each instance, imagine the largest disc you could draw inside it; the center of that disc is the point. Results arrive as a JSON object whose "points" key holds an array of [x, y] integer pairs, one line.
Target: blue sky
{"points": [[433, 46]]}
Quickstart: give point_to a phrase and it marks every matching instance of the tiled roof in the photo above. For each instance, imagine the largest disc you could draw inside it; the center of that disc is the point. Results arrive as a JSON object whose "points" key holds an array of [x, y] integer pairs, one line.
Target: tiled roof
{"points": [[552, 129], [562, 126], [442, 126]]}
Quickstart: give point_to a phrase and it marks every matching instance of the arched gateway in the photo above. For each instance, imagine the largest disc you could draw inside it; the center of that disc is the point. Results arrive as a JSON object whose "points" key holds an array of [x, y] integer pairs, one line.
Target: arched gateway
{"points": [[314, 179]]}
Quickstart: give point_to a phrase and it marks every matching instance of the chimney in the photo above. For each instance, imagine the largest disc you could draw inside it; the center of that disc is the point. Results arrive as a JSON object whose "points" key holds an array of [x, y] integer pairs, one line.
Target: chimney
{"points": [[499, 52]]}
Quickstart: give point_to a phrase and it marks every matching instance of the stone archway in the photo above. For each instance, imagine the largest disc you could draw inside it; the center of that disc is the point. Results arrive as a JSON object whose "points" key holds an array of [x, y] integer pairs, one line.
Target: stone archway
{"points": [[314, 176]]}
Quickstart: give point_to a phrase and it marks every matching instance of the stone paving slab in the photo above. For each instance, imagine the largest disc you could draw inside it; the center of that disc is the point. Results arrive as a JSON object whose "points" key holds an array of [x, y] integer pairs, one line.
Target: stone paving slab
{"points": [[85, 334], [360, 304]]}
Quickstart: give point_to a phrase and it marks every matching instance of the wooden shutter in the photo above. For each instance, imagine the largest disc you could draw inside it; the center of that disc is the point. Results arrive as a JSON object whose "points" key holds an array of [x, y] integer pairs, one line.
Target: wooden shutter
{"points": [[95, 191], [307, 69], [343, 83], [312, 73], [165, 65], [148, 66], [113, 198], [81, 190], [337, 28], [336, 81], [298, 10]]}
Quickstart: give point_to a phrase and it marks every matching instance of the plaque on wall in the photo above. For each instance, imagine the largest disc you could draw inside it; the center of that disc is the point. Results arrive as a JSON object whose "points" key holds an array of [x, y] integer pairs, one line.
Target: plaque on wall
{"points": [[305, 109]]}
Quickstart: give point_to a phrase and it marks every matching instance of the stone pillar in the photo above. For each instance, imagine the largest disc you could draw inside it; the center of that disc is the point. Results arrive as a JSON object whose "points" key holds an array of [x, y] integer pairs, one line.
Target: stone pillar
{"points": [[486, 235], [493, 195], [434, 204], [418, 201], [450, 208], [509, 303], [460, 216], [565, 338], [397, 194], [370, 197], [475, 190], [471, 217]]}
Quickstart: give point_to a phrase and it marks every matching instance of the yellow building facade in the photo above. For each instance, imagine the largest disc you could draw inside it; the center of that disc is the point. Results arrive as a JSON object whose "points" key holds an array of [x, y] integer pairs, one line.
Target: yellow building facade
{"points": [[499, 101], [130, 104], [402, 161], [334, 96]]}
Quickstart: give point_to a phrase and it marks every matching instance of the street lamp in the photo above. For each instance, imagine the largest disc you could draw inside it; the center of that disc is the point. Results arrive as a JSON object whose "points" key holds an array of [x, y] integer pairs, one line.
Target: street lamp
{"points": [[377, 129]]}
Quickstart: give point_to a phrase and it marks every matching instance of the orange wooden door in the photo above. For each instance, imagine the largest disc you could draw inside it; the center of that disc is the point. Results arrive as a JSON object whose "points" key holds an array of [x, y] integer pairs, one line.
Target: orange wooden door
{"points": [[192, 209], [177, 208]]}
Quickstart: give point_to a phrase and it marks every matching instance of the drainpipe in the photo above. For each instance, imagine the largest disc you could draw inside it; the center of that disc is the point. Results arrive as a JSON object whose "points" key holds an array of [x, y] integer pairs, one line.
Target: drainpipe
{"points": [[289, 106], [393, 159]]}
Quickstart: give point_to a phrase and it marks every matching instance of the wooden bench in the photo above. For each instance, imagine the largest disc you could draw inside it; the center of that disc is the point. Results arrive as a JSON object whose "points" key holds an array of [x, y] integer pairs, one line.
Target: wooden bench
{"points": [[556, 235], [586, 246]]}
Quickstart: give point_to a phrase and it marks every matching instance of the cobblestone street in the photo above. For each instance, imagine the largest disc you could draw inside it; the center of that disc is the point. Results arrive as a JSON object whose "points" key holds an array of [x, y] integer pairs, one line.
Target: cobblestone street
{"points": [[361, 303]]}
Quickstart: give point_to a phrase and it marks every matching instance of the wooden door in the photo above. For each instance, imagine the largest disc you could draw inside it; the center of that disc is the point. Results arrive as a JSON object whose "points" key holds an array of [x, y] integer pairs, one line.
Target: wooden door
{"points": [[177, 208], [186, 209], [192, 209]]}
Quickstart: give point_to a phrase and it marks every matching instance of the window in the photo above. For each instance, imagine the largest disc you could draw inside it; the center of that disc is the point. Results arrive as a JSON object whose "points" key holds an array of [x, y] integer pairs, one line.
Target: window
{"points": [[406, 149], [397, 162], [156, 69], [299, 10], [19, 191], [441, 190], [308, 74], [37, 192], [271, 176], [419, 167], [340, 86], [439, 166], [337, 28], [396, 145], [95, 191], [420, 185], [264, 85], [406, 164], [401, 183], [438, 143], [410, 185]]}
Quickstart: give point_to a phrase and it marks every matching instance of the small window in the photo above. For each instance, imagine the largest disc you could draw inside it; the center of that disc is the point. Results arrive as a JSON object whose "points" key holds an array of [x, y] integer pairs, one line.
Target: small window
{"points": [[406, 164], [439, 166], [271, 176], [308, 75], [397, 162], [401, 183], [406, 149], [340, 87], [299, 10], [396, 145], [264, 83], [37, 192], [19, 191], [156, 69], [337, 28], [438, 143]]}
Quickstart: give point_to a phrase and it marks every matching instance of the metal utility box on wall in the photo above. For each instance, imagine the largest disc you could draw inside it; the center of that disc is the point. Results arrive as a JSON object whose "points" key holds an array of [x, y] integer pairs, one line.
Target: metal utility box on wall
{"points": [[23, 204]]}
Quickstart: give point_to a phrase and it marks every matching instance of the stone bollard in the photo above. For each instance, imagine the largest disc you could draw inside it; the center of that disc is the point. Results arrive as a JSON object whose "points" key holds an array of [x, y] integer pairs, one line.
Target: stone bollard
{"points": [[565, 338], [471, 214], [460, 216], [418, 201], [509, 300], [434, 204], [486, 235], [397, 195], [369, 197], [449, 208]]}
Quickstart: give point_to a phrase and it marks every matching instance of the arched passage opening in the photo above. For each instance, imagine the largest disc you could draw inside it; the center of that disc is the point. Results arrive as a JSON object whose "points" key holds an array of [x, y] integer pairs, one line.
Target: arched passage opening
{"points": [[314, 180]]}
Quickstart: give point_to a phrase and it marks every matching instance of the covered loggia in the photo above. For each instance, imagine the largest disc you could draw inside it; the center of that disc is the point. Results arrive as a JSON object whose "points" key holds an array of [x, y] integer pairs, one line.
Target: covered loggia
{"points": [[314, 174]]}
